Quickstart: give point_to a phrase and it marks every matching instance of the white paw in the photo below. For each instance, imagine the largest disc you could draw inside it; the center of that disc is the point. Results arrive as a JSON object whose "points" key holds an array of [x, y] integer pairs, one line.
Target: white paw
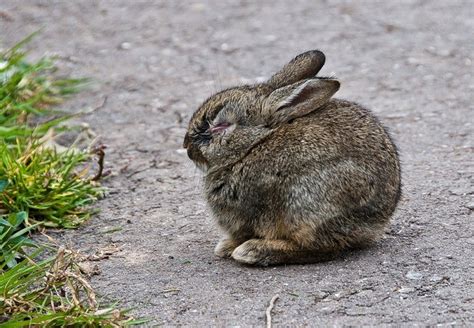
{"points": [[246, 253], [225, 247]]}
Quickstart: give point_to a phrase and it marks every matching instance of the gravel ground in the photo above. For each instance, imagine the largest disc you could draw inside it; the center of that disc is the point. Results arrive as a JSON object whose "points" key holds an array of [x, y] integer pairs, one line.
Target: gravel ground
{"points": [[155, 61]]}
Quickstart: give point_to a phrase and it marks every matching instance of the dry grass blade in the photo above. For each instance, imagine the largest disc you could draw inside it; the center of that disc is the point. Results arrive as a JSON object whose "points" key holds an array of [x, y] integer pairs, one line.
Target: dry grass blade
{"points": [[268, 312], [99, 151], [65, 270], [54, 289]]}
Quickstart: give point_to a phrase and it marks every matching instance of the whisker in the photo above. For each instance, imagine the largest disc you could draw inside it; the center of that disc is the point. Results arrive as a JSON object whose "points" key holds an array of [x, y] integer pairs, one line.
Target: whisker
{"points": [[197, 180], [218, 77]]}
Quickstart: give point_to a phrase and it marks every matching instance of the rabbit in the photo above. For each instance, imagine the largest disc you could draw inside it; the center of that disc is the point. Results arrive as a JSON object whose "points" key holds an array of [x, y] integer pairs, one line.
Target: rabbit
{"points": [[291, 174]]}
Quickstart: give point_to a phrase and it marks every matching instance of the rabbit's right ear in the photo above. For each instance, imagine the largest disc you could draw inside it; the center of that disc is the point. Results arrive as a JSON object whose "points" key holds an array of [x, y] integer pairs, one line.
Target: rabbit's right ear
{"points": [[303, 66], [298, 99]]}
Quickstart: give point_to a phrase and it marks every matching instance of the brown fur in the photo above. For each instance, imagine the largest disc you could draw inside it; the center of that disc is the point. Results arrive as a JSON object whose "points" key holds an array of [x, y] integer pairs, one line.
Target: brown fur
{"points": [[291, 175]]}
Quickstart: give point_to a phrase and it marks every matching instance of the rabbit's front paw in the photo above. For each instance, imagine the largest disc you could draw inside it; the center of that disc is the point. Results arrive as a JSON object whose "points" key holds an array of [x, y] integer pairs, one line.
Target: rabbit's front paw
{"points": [[253, 251], [225, 247], [266, 252]]}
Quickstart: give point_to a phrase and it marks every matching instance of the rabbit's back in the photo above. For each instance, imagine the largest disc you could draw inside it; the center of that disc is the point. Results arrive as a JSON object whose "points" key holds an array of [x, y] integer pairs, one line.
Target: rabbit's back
{"points": [[340, 130]]}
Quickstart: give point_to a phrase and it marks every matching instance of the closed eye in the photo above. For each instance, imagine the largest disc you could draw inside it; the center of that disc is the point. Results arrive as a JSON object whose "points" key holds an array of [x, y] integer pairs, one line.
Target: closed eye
{"points": [[213, 123], [221, 127]]}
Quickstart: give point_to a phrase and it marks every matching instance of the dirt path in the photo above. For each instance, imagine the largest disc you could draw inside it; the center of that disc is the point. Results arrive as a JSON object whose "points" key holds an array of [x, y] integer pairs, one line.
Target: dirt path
{"points": [[411, 61]]}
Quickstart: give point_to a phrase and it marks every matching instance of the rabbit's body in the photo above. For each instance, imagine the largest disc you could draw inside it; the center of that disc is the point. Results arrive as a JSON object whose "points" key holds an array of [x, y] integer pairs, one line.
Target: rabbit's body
{"points": [[297, 189]]}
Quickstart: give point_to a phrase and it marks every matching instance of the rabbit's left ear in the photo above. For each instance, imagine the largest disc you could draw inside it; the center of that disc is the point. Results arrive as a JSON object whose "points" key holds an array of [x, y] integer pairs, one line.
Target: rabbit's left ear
{"points": [[303, 66], [298, 99]]}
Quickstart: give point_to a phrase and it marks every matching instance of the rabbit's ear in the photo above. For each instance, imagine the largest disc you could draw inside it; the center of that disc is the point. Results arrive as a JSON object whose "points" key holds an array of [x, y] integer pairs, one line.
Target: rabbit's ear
{"points": [[303, 66], [298, 99]]}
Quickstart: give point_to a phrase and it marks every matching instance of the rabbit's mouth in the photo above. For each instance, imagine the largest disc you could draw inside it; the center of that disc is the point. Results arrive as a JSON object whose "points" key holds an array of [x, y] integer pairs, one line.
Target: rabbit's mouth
{"points": [[202, 166], [196, 156]]}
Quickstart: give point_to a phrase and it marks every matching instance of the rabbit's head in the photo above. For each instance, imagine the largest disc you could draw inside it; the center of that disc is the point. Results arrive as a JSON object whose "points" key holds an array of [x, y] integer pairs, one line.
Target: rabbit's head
{"points": [[230, 123]]}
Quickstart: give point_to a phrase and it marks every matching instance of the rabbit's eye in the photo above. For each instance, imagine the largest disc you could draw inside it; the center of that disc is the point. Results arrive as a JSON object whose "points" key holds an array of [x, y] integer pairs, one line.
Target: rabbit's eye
{"points": [[218, 128], [214, 122]]}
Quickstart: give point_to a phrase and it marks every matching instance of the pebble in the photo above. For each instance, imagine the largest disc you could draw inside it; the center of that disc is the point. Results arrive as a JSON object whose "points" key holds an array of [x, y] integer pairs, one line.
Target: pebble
{"points": [[429, 77], [89, 268], [436, 278], [406, 290], [125, 46], [226, 48], [470, 206], [412, 275], [319, 295], [198, 6], [343, 293], [413, 61], [459, 191], [440, 52], [157, 103], [444, 52], [271, 37]]}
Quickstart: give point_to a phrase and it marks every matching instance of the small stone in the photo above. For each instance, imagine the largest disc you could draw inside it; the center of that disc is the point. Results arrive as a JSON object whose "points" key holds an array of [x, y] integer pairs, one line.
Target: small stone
{"points": [[89, 268], [125, 46], [270, 37], [413, 61], [343, 294], [320, 295], [406, 290], [390, 28], [437, 278], [225, 47], [412, 275], [429, 77], [444, 52], [470, 206], [157, 103], [198, 6], [458, 191]]}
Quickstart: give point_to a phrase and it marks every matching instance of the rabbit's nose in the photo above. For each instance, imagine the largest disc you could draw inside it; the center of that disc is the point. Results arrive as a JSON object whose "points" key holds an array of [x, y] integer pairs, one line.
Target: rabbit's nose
{"points": [[195, 154], [186, 141], [190, 153]]}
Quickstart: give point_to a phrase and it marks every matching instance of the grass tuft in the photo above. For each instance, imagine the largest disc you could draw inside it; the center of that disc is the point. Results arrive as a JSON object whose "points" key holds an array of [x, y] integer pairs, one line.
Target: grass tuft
{"points": [[54, 188]]}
